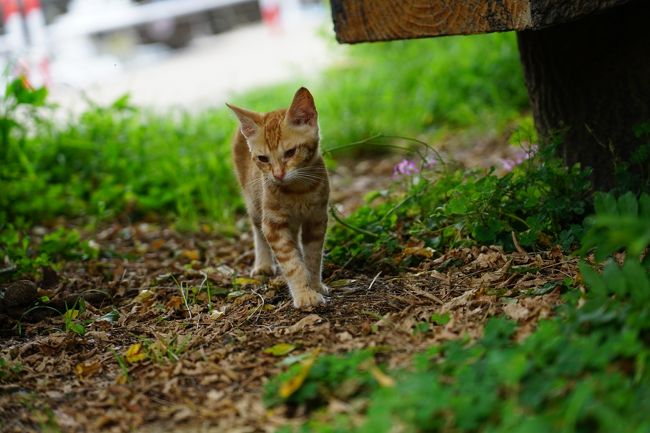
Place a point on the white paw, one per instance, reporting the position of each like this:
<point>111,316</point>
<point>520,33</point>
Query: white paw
<point>307,298</point>
<point>259,270</point>
<point>322,288</point>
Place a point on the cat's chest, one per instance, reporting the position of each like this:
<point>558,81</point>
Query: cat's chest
<point>294,208</point>
<point>299,209</point>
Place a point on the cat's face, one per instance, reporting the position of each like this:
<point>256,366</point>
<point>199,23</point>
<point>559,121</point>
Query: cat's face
<point>283,143</point>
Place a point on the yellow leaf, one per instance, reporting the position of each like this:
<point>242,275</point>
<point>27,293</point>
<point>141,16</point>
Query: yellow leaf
<point>157,244</point>
<point>280,349</point>
<point>191,254</point>
<point>174,303</point>
<point>419,251</point>
<point>87,368</point>
<point>143,295</point>
<point>341,283</point>
<point>242,281</point>
<point>121,379</point>
<point>135,354</point>
<point>71,314</point>
<point>382,378</point>
<point>292,385</point>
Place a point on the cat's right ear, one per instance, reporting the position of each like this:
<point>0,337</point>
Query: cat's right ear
<point>250,121</point>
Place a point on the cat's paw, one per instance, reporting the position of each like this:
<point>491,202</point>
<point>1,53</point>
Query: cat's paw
<point>263,270</point>
<point>322,288</point>
<point>308,298</point>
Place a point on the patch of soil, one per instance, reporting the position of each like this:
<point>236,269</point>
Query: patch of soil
<point>200,363</point>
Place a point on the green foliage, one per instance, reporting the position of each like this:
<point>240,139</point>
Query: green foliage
<point>541,200</point>
<point>633,173</point>
<point>9,370</point>
<point>584,370</point>
<point>618,223</point>
<point>120,161</point>
<point>26,255</point>
<point>71,320</point>
<point>329,376</point>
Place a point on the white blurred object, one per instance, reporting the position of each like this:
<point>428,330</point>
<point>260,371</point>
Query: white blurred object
<point>39,61</point>
<point>26,41</point>
<point>281,14</point>
<point>16,40</point>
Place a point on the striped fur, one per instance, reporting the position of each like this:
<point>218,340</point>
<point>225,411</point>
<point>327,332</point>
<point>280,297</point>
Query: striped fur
<point>286,188</point>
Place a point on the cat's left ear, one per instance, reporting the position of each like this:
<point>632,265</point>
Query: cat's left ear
<point>302,110</point>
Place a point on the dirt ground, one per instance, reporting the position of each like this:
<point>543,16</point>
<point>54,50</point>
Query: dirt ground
<point>193,365</point>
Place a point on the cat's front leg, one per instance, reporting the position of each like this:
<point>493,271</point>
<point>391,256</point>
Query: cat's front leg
<point>313,237</point>
<point>263,256</point>
<point>284,243</point>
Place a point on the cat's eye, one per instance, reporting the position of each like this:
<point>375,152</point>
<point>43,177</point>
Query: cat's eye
<point>289,153</point>
<point>263,158</point>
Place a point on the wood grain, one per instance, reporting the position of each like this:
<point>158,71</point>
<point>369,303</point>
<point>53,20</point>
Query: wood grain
<point>383,20</point>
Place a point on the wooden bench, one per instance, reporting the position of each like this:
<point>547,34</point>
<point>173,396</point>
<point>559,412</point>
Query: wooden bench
<point>586,62</point>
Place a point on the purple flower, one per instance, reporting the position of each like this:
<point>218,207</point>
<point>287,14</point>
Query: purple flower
<point>519,157</point>
<point>430,161</point>
<point>406,168</point>
<point>508,164</point>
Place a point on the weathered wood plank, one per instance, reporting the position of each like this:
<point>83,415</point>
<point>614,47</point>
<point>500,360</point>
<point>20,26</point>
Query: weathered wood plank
<point>383,20</point>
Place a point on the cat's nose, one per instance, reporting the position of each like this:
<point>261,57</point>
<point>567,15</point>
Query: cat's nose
<point>279,176</point>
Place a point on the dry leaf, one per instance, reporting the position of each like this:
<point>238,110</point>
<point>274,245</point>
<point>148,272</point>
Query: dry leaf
<point>87,368</point>
<point>516,311</point>
<point>143,295</point>
<point>135,354</point>
<point>426,252</point>
<point>174,303</point>
<point>121,379</point>
<point>157,244</point>
<point>303,323</point>
<point>243,281</point>
<point>341,283</point>
<point>191,254</point>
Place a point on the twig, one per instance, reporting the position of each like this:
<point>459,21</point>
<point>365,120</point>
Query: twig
<point>520,250</point>
<point>260,305</point>
<point>373,281</point>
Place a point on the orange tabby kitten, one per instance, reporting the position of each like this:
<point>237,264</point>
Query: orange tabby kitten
<point>286,188</point>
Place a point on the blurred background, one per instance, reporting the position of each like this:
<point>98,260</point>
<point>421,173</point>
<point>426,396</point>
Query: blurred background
<point>127,117</point>
<point>188,53</point>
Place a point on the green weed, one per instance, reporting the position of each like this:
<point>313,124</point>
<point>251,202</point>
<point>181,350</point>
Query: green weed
<point>540,200</point>
<point>166,349</point>
<point>124,367</point>
<point>71,318</point>
<point>27,255</point>
<point>9,370</point>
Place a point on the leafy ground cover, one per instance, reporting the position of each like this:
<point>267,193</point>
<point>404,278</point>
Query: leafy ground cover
<point>178,337</point>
